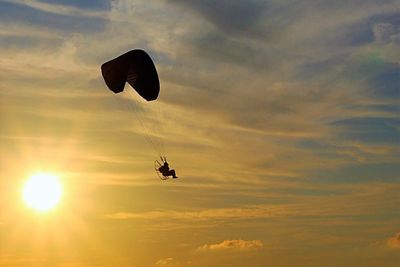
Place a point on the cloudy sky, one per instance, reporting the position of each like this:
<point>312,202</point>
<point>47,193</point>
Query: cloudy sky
<point>281,118</point>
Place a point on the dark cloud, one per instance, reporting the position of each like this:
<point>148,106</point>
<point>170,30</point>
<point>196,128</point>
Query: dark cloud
<point>392,18</point>
<point>374,27</point>
<point>351,35</point>
<point>221,48</point>
<point>368,29</point>
<point>233,17</point>
<point>309,71</point>
<point>88,4</point>
<point>377,27</point>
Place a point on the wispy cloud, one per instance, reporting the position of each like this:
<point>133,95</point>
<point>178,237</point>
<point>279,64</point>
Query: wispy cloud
<point>235,244</point>
<point>273,112</point>
<point>278,105</point>
<point>202,214</point>
<point>58,9</point>
<point>307,206</point>
<point>165,262</point>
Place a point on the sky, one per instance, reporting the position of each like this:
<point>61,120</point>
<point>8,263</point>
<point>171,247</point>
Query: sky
<point>281,118</point>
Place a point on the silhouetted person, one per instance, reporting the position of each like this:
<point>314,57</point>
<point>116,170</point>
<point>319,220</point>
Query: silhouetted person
<point>164,169</point>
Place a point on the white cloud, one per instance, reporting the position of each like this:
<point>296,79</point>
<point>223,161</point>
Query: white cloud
<point>165,262</point>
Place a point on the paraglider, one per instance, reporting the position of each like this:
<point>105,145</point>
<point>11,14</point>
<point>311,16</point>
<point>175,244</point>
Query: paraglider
<point>136,68</point>
<point>163,169</point>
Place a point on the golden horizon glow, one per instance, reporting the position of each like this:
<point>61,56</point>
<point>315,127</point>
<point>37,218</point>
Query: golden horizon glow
<point>42,191</point>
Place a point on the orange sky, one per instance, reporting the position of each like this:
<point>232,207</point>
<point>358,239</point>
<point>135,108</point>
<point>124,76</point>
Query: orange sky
<point>280,117</point>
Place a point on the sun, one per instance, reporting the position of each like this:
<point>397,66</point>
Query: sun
<point>42,191</point>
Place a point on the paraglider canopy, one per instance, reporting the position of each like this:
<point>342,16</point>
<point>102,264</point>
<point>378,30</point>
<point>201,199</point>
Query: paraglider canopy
<point>135,67</point>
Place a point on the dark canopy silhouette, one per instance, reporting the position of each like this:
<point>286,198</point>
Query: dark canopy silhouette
<point>136,68</point>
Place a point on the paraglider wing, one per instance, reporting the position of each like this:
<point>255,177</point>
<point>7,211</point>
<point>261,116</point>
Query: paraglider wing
<point>135,67</point>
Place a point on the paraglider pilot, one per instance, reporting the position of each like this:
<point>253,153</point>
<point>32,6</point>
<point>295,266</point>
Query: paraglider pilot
<point>164,169</point>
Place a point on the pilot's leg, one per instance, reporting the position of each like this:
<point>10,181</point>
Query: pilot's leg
<point>173,174</point>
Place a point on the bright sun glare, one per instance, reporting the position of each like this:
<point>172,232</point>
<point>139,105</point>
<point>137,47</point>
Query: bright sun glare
<point>42,191</point>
